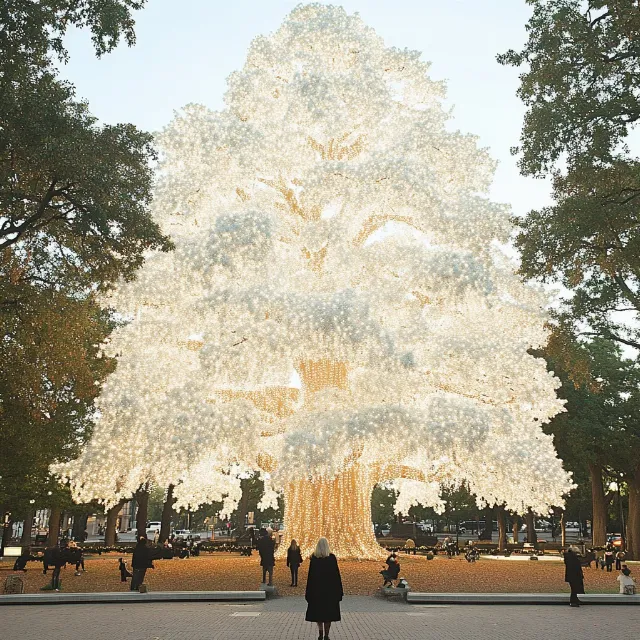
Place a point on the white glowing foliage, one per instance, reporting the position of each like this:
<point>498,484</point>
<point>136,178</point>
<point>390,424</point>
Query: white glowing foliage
<point>327,215</point>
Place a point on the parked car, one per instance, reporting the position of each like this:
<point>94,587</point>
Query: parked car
<point>182,534</point>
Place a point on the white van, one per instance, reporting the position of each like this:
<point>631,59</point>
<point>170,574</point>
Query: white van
<point>153,528</point>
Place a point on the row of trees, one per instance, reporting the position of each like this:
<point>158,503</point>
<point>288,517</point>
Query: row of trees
<point>580,83</point>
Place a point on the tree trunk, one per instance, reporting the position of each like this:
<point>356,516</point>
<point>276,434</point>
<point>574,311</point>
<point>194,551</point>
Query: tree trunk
<point>27,526</point>
<point>599,519</point>
<point>502,528</point>
<point>54,527</point>
<point>79,526</point>
<point>142,499</point>
<point>243,505</point>
<point>167,510</point>
<point>633,519</point>
<point>516,525</point>
<point>6,533</point>
<point>532,536</point>
<point>338,509</point>
<point>110,526</point>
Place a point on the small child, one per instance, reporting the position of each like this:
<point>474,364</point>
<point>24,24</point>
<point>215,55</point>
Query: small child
<point>627,583</point>
<point>124,572</point>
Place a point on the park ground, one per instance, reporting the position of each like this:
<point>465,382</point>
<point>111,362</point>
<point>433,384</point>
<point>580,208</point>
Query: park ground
<point>221,571</point>
<point>283,619</point>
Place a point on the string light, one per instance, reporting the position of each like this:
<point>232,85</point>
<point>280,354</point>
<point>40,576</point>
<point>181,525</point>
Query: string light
<point>337,311</point>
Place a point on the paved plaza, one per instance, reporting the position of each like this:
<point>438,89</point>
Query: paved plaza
<point>364,618</point>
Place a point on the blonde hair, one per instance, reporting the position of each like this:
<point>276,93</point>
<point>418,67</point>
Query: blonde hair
<point>293,545</point>
<point>322,549</point>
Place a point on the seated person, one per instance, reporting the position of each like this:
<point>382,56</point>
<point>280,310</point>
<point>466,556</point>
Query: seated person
<point>392,571</point>
<point>627,583</point>
<point>21,561</point>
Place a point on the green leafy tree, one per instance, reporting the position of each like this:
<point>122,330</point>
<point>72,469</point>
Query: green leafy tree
<point>383,500</point>
<point>597,434</point>
<point>581,84</point>
<point>74,219</point>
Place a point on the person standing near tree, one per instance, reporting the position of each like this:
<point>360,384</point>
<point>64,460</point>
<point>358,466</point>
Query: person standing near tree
<point>324,589</point>
<point>266,548</point>
<point>619,559</point>
<point>573,575</point>
<point>609,558</point>
<point>140,562</point>
<point>294,560</point>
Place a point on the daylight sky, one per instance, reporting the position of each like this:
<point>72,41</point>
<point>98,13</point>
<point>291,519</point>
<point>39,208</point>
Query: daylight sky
<point>186,48</point>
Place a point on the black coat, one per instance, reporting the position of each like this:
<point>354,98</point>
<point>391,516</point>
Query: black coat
<point>142,557</point>
<point>266,548</point>
<point>324,590</point>
<point>573,571</point>
<point>294,558</point>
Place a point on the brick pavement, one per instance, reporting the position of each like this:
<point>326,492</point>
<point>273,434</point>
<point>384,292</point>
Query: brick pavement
<point>364,618</point>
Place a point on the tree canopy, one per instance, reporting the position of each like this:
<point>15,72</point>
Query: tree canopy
<point>581,85</point>
<point>74,198</point>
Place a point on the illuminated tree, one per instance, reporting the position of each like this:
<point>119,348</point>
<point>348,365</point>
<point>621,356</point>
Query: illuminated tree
<point>337,311</point>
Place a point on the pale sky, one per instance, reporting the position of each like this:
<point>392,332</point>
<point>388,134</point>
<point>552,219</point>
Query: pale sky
<point>185,50</point>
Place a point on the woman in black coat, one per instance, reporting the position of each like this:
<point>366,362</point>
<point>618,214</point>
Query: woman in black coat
<point>294,560</point>
<point>573,575</point>
<point>324,589</point>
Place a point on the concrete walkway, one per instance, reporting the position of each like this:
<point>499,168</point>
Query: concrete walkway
<point>363,618</point>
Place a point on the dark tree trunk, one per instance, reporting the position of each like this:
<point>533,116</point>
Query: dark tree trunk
<point>27,526</point>
<point>633,519</point>
<point>243,505</point>
<point>532,536</point>
<point>516,527</point>
<point>110,525</point>
<point>167,510</point>
<point>6,532</point>
<point>599,519</point>
<point>142,498</point>
<point>502,528</point>
<point>54,527</point>
<point>79,525</point>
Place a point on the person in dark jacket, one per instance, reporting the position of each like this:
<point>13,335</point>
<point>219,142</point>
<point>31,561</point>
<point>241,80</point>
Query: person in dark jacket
<point>324,589</point>
<point>609,558</point>
<point>266,548</point>
<point>392,571</point>
<point>140,562</point>
<point>294,560</point>
<point>573,575</point>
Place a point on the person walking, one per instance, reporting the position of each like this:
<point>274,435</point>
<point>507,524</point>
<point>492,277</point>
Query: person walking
<point>573,575</point>
<point>266,548</point>
<point>140,562</point>
<point>619,559</point>
<point>124,572</point>
<point>294,560</point>
<point>324,589</point>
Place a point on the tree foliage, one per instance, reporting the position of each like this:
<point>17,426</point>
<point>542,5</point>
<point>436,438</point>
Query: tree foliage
<point>74,219</point>
<point>581,85</point>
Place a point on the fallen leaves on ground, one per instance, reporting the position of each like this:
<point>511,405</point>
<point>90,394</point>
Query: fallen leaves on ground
<point>230,572</point>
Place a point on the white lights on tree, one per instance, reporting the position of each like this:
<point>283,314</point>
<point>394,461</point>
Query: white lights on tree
<point>337,312</point>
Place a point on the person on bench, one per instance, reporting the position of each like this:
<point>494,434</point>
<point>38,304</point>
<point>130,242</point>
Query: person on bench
<point>392,571</point>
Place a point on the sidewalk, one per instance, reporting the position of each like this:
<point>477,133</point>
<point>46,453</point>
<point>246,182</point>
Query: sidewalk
<point>363,618</point>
